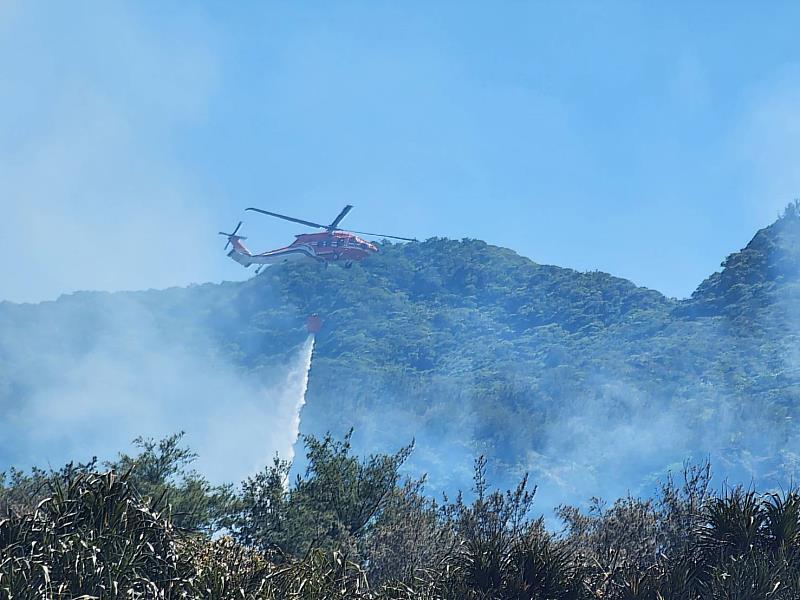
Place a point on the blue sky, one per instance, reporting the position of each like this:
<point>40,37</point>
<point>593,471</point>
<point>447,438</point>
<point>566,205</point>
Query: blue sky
<point>645,139</point>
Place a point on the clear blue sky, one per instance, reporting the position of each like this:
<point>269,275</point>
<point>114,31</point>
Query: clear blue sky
<point>645,139</point>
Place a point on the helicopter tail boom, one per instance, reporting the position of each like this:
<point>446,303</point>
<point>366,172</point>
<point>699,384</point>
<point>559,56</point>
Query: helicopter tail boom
<point>239,252</point>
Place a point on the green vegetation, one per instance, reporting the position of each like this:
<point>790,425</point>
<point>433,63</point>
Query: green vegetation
<point>471,349</point>
<point>351,528</point>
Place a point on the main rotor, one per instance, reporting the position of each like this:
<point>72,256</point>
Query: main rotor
<point>334,226</point>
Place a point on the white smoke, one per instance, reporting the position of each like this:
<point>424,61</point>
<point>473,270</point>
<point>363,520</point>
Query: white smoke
<point>135,377</point>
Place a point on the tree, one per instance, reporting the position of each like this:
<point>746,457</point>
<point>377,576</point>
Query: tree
<point>333,505</point>
<point>161,471</point>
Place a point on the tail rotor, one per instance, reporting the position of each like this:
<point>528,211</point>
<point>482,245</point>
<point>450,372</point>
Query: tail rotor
<point>232,236</point>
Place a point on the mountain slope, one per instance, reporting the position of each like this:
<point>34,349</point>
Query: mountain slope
<point>589,382</point>
<point>757,276</point>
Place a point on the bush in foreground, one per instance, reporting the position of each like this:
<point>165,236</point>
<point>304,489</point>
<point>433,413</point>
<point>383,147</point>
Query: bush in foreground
<point>351,528</point>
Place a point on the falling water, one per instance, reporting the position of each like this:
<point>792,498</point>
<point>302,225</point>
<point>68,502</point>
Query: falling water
<point>298,380</point>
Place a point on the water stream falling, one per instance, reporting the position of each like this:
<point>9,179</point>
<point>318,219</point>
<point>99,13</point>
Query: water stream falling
<point>297,382</point>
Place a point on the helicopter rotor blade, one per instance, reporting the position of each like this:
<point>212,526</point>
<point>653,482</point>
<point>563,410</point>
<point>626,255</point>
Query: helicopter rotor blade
<point>230,235</point>
<point>335,225</point>
<point>285,218</point>
<point>382,235</point>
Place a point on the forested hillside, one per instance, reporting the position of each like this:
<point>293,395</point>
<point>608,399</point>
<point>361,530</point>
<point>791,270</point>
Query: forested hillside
<point>588,382</point>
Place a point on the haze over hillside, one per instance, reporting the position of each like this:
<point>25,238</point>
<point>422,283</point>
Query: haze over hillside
<point>592,384</point>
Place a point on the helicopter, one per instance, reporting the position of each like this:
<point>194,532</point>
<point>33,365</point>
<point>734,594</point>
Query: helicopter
<point>332,246</point>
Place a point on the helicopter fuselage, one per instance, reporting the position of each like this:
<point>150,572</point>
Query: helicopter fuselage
<point>326,247</point>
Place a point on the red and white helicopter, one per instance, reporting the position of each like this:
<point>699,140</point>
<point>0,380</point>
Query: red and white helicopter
<point>334,245</point>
